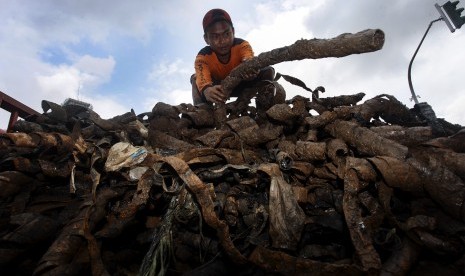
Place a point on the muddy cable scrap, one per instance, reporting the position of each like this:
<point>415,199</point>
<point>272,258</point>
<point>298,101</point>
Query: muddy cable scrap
<point>358,188</point>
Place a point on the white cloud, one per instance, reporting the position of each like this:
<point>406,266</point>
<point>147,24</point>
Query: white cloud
<point>62,83</point>
<point>169,81</point>
<point>106,107</point>
<point>274,31</point>
<point>174,96</point>
<point>167,69</point>
<point>83,77</point>
<point>101,68</point>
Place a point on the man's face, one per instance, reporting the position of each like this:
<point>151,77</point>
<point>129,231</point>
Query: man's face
<point>220,37</point>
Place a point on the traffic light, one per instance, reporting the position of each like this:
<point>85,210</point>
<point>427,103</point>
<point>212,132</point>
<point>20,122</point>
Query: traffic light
<point>454,14</point>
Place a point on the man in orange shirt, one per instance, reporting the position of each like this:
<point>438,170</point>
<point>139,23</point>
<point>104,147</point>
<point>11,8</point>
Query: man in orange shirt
<point>215,61</point>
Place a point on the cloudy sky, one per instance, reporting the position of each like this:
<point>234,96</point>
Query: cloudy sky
<point>119,54</point>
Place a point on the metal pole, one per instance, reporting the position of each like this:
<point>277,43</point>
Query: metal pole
<point>414,97</point>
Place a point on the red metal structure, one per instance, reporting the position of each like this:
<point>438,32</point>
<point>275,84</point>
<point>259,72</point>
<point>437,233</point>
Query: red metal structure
<point>16,108</point>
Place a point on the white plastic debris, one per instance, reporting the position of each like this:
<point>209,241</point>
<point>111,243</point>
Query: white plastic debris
<point>123,155</point>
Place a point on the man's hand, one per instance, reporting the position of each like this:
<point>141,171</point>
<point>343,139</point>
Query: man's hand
<point>215,94</point>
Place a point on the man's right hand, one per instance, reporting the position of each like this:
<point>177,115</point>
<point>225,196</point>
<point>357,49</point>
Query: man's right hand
<point>215,94</point>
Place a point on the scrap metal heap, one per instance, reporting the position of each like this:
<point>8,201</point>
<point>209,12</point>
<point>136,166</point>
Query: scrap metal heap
<point>307,186</point>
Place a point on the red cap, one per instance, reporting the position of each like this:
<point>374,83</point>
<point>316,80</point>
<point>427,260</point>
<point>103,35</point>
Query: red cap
<point>215,15</point>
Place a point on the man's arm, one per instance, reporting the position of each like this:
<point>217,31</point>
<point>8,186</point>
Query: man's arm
<point>203,77</point>
<point>204,82</point>
<point>246,53</point>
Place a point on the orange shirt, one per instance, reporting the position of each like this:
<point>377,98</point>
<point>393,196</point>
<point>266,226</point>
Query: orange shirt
<point>209,69</point>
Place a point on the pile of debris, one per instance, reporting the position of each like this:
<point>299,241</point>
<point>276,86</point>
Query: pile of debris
<point>357,188</point>
<point>324,186</point>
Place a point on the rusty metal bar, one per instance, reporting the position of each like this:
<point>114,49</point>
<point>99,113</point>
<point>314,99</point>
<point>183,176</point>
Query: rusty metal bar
<point>16,108</point>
